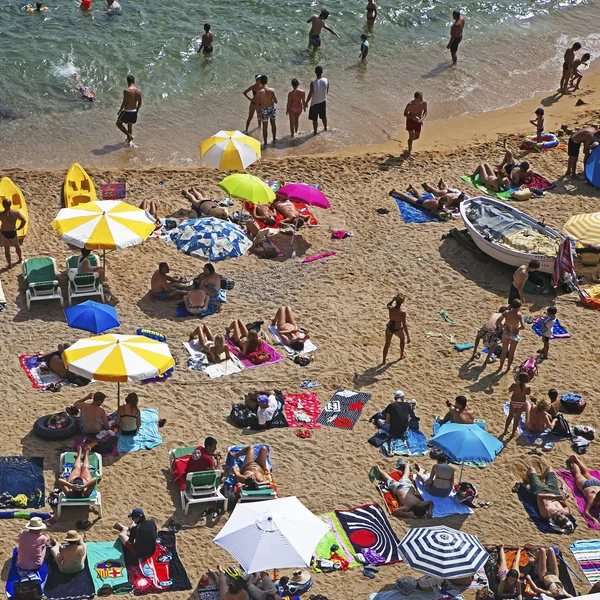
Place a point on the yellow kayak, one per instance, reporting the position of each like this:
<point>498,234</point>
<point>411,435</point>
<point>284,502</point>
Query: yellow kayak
<point>9,190</point>
<point>78,187</point>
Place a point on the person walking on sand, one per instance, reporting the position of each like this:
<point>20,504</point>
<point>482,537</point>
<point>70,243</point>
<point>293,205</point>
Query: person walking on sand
<point>130,107</point>
<point>577,75</point>
<point>518,403</point>
<point>317,23</point>
<point>567,71</point>
<point>253,108</point>
<point>9,230</point>
<point>511,323</point>
<point>415,113</point>
<point>317,96</point>
<point>206,46</point>
<point>296,103</point>
<point>588,136</point>
<point>396,326</point>
<point>371,12</point>
<point>267,100</point>
<point>456,33</point>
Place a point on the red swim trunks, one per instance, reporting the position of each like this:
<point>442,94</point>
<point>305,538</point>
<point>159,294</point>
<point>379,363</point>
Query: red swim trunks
<point>412,125</point>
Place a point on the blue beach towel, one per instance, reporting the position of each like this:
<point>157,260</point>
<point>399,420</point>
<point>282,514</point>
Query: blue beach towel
<point>147,436</point>
<point>558,331</point>
<point>220,298</point>
<point>414,214</point>
<point>529,502</point>
<point>106,563</point>
<point>21,475</point>
<point>532,437</point>
<point>415,444</point>
<point>15,575</point>
<point>230,461</point>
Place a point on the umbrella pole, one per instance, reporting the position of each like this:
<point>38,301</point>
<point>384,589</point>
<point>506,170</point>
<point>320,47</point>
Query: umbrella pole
<point>462,466</point>
<point>118,394</point>
<point>293,236</point>
<point>104,259</point>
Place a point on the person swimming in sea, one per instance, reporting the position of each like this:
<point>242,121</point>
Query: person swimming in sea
<point>85,92</point>
<point>206,47</point>
<point>39,7</point>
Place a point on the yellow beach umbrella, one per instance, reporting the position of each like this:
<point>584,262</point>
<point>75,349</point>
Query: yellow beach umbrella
<point>120,358</point>
<point>230,151</point>
<point>584,228</point>
<point>248,187</point>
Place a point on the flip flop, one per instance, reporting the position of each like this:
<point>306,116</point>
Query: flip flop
<point>447,318</point>
<point>374,474</point>
<point>162,422</point>
<point>372,568</point>
<point>368,574</point>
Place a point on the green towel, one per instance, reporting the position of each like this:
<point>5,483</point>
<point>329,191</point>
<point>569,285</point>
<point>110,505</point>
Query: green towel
<point>106,563</point>
<point>502,195</point>
<point>336,535</point>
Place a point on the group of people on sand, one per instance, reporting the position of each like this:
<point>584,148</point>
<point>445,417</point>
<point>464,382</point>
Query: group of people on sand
<point>196,294</point>
<point>440,201</point>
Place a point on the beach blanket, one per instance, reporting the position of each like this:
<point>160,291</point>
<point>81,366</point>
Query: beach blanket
<point>2,296</point>
<point>106,563</point>
<point>302,209</point>
<point>146,437</point>
<point>479,465</point>
<point>343,409</point>
<point>389,499</point>
<point>539,182</point>
<point>230,461</point>
<point>21,475</point>
<point>275,357</point>
<point>558,331</point>
<point>308,344</point>
<point>413,444</point>
<point>106,446</point>
<point>24,514</point>
<point>62,586</point>
<point>15,575</point>
<point>335,536</point>
<point>220,298</point>
<point>162,572</point>
<point>414,214</point>
<point>208,593</point>
<point>199,362</point>
<point>31,364</point>
<point>568,478</point>
<point>415,595</point>
<point>477,183</point>
<point>530,504</point>
<point>442,507</point>
<point>302,410</point>
<point>370,533</point>
<point>532,437</point>
<point>587,555</point>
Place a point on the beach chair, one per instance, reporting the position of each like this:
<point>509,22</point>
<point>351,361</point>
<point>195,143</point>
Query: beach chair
<point>201,487</point>
<point>266,489</point>
<point>83,286</point>
<point>41,277</point>
<point>95,499</point>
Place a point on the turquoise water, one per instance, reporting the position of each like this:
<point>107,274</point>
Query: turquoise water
<point>512,48</point>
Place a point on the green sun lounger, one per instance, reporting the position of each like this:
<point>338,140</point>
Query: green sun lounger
<point>86,284</point>
<point>94,499</point>
<point>41,277</point>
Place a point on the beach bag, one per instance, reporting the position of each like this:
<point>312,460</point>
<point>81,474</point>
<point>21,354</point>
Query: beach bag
<point>561,427</point>
<point>241,416</point>
<point>529,367</point>
<point>466,493</point>
<point>524,194</point>
<point>29,589</point>
<point>589,433</point>
<point>572,403</point>
<point>259,357</point>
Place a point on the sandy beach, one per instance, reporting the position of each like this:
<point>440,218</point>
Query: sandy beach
<point>341,300</point>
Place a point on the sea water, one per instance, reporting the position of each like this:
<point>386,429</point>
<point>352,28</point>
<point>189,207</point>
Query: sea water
<point>511,49</point>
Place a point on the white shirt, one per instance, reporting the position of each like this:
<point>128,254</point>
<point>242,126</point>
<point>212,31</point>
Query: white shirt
<point>115,8</point>
<point>268,412</point>
<point>319,91</point>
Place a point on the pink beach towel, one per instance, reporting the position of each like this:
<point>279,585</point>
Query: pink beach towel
<point>107,447</point>
<point>300,407</point>
<point>275,357</point>
<point>570,481</point>
<point>318,257</point>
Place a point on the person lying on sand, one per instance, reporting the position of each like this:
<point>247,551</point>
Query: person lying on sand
<point>288,330</point>
<point>262,244</point>
<point>165,287</point>
<point>588,485</point>
<point>213,346</point>
<point>285,207</point>
<point>203,207</point>
<point>537,419</point>
<point>458,412</point>
<point>197,299</point>
<point>246,340</point>
<point>412,506</point>
<point>80,483</point>
<point>436,206</point>
<point>549,575</point>
<point>551,503</point>
<point>490,335</point>
<point>451,196</point>
<point>265,213</point>
<point>152,209</point>
<point>252,469</point>
<point>488,178</point>
<point>509,584</point>
<point>518,174</point>
<point>396,326</point>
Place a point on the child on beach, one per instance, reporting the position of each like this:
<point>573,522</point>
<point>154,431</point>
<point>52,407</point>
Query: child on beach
<point>518,403</point>
<point>364,47</point>
<point>539,124</point>
<point>295,105</point>
<point>548,320</point>
<point>577,74</point>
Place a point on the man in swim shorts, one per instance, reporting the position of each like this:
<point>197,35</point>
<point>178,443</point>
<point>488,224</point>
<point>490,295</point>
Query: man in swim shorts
<point>588,485</point>
<point>266,100</point>
<point>206,47</point>
<point>164,287</point>
<point>79,483</point>
<point>317,24</point>
<point>434,205</point>
<point>589,137</point>
<point>551,502</point>
<point>415,113</point>
<point>567,71</point>
<point>11,222</point>
<point>456,32</point>
<point>205,207</point>
<point>518,174</point>
<point>129,109</point>
<point>317,96</point>
<point>489,335</point>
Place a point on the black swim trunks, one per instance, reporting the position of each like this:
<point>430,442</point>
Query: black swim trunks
<point>318,111</point>
<point>566,66</point>
<point>455,43</point>
<point>128,116</point>
<point>207,49</point>
<point>10,234</point>
<point>573,148</point>
<point>509,168</point>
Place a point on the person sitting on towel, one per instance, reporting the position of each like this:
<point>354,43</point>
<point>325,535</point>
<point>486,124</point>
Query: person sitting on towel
<point>129,416</point>
<point>213,346</point>
<point>587,484</point>
<point>551,503</point>
<point>440,482</point>
<point>204,458</point>
<point>197,299</point>
<point>70,556</point>
<point>436,206</point>
<point>459,412</point>
<point>210,280</point>
<point>139,538</point>
<point>79,483</point>
<point>398,415</point>
<point>252,469</point>
<point>93,416</point>
<point>549,576</point>
<point>411,505</point>
<point>165,287</point>
<point>287,329</point>
<point>203,207</point>
<point>31,550</point>
<point>537,419</point>
<point>246,340</point>
<point>285,207</point>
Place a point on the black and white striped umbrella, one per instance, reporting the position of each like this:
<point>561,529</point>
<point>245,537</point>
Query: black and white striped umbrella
<point>443,552</point>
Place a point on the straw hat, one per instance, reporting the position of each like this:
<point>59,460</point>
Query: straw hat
<point>300,577</point>
<point>72,536</point>
<point>35,524</point>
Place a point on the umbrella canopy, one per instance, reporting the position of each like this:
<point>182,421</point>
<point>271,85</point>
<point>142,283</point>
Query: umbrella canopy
<point>443,552</point>
<point>229,151</point>
<point>248,187</point>
<point>466,443</point>
<point>211,239</point>
<point>92,316</point>
<point>273,534</point>
<point>584,228</point>
<point>103,225</point>
<point>305,193</point>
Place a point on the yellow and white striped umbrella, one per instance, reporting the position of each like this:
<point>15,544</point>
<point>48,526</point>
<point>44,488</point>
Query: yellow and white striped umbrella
<point>585,228</point>
<point>230,151</point>
<point>103,225</point>
<point>114,357</point>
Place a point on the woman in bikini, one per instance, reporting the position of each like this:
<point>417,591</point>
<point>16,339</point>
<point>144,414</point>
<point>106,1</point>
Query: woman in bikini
<point>509,586</point>
<point>197,299</point>
<point>440,482</point>
<point>79,483</point>
<point>288,330</point>
<point>396,326</point>
<point>204,207</point>
<point>549,575</point>
<point>252,468</point>
<point>214,347</point>
<point>488,178</point>
<point>254,107</point>
<point>518,403</point>
<point>247,341</point>
<point>129,416</point>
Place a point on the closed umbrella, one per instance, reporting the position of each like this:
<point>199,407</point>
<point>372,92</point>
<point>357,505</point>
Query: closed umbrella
<point>443,552</point>
<point>273,534</point>
<point>230,151</point>
<point>248,187</point>
<point>584,228</point>
<point>92,316</point>
<point>304,193</point>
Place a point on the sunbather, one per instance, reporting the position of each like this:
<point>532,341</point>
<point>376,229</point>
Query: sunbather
<point>458,412</point>
<point>518,403</point>
<point>210,280</point>
<point>205,207</point>
<point>537,418</point>
<point>264,213</point>
<point>165,287</point>
<point>84,267</point>
<point>587,484</point>
<point>53,361</point>
<point>451,196</point>
<point>550,500</point>
<point>69,557</point>
<point>252,469</point>
<point>289,332</point>
<point>197,299</point>
<point>436,206</point>
<point>488,178</point>
<point>548,574</point>
<point>285,207</point>
<point>214,347</point>
<point>246,340</point>
<point>518,174</point>
<point>234,589</point>
<point>129,417</point>
<point>489,335</point>
<point>509,584</point>
<point>151,208</point>
<point>261,587</point>
<point>396,326</point>
<point>411,505</point>
<point>440,482</point>
<point>262,244</point>
<point>79,483</point>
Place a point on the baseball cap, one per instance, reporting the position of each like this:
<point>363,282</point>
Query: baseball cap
<point>398,394</point>
<point>136,513</point>
<point>263,398</point>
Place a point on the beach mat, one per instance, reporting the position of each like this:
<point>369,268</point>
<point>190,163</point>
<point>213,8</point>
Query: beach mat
<point>568,478</point>
<point>531,437</point>
<point>370,533</point>
<point>275,357</point>
<point>302,410</point>
<point>539,182</point>
<point>199,362</point>
<point>302,209</point>
<point>413,444</point>
<point>414,214</point>
<point>21,475</point>
<point>208,593</point>
<point>343,409</point>
<point>31,364</point>
<point>166,575</point>
<point>63,586</point>
<point>558,331</point>
<point>146,437</point>
<point>587,555</point>
<point>104,447</point>
<point>106,563</point>
<point>443,507</point>
<point>529,503</point>
<point>335,536</point>
<point>15,575</point>
<point>477,183</point>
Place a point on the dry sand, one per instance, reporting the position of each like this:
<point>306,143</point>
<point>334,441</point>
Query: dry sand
<point>341,300</point>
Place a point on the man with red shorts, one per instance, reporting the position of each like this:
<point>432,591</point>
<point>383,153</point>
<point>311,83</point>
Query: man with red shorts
<point>415,113</point>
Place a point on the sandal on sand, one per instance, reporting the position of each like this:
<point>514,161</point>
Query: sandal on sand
<point>162,422</point>
<point>368,573</point>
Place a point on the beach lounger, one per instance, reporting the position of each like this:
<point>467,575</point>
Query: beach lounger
<point>267,490</point>
<point>201,487</point>
<point>94,499</point>
<point>83,286</point>
<point>41,277</point>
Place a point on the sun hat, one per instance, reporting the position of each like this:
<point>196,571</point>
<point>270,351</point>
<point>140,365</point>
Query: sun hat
<point>72,536</point>
<point>300,577</point>
<point>35,524</point>
<point>137,513</point>
<point>398,394</point>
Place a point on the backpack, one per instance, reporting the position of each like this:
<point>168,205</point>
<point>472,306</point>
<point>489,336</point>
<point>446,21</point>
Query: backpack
<point>561,427</point>
<point>29,589</point>
<point>572,403</point>
<point>529,367</point>
<point>241,416</point>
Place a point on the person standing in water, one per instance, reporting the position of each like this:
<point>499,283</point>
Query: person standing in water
<point>253,108</point>
<point>206,47</point>
<point>317,96</point>
<point>415,113</point>
<point>371,12</point>
<point>569,59</point>
<point>267,101</point>
<point>295,105</point>
<point>456,32</point>
<point>317,24</point>
<point>130,107</point>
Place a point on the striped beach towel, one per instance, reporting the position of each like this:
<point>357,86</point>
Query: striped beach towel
<point>587,555</point>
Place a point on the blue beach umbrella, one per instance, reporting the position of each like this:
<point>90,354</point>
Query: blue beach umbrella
<point>211,239</point>
<point>92,316</point>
